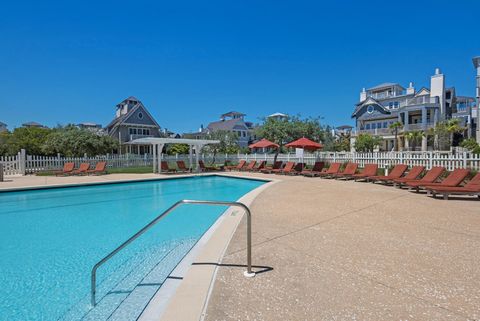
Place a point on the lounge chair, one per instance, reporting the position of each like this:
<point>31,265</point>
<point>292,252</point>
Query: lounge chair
<point>332,170</point>
<point>297,169</point>
<point>181,167</point>
<point>349,170</point>
<point>286,169</point>
<point>455,178</point>
<point>82,170</point>
<point>236,167</point>
<point>472,187</point>
<point>368,170</point>
<point>277,165</point>
<point>249,167</point>
<point>204,168</point>
<point>165,169</point>
<point>67,169</point>
<point>260,166</point>
<point>290,169</point>
<point>317,168</point>
<point>430,177</point>
<point>100,168</point>
<point>396,172</point>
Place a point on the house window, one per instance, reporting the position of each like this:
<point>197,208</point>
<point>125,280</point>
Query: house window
<point>390,105</point>
<point>385,124</point>
<point>370,109</point>
<point>396,104</point>
<point>140,115</point>
<point>374,126</point>
<point>367,126</point>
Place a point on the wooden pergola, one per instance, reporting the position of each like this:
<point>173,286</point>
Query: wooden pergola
<point>158,144</point>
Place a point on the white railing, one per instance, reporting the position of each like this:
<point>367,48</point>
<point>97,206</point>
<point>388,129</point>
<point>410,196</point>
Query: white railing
<point>27,164</point>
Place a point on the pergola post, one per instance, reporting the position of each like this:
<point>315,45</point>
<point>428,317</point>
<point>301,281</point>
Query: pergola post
<point>197,157</point>
<point>154,151</point>
<point>190,157</point>
<point>160,150</point>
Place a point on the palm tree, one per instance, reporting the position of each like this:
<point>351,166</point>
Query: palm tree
<point>453,127</point>
<point>414,136</point>
<point>394,127</point>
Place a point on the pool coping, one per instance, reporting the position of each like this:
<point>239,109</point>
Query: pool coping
<point>186,292</point>
<point>120,181</point>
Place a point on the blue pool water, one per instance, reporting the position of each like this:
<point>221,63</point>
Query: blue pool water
<point>50,239</point>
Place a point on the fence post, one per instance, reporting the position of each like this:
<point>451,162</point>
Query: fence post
<point>430,155</point>
<point>23,166</point>
<point>464,159</point>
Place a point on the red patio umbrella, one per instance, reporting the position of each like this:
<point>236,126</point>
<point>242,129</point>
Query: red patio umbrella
<point>305,144</point>
<point>264,143</point>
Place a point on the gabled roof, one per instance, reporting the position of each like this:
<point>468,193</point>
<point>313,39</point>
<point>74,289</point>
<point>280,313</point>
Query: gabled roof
<point>228,124</point>
<point>344,127</point>
<point>385,85</point>
<point>232,113</point>
<point>423,91</point>
<point>368,101</point>
<point>2,124</point>
<point>122,118</point>
<point>277,115</point>
<point>129,98</point>
<point>32,123</point>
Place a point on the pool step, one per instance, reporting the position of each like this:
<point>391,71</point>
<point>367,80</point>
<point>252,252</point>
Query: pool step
<point>126,301</point>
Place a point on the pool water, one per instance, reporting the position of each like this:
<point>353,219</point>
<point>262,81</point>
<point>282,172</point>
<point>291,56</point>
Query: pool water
<point>51,238</point>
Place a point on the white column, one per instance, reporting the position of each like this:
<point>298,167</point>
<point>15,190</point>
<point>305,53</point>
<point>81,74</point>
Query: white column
<point>154,152</point>
<point>190,157</point>
<point>424,143</point>
<point>197,157</point>
<point>160,149</point>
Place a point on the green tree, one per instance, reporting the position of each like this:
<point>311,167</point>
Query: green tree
<point>367,143</point>
<point>283,131</point>
<point>72,141</point>
<point>414,137</point>
<point>471,144</point>
<point>444,132</point>
<point>395,128</point>
<point>342,143</point>
<point>181,149</point>
<point>29,138</point>
<point>228,143</point>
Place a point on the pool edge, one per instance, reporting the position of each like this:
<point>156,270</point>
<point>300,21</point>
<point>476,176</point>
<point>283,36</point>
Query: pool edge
<point>120,181</point>
<point>189,297</point>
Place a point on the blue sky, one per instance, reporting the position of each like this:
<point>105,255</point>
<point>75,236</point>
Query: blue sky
<point>188,62</point>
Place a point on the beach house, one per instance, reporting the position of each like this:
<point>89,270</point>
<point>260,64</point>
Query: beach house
<point>416,110</point>
<point>133,120</point>
<point>234,121</point>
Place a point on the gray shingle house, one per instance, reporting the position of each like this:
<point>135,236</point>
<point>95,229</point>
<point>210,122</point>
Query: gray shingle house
<point>234,122</point>
<point>3,127</point>
<point>132,120</point>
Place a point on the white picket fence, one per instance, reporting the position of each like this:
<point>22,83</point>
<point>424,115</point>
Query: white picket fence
<point>22,164</point>
<point>384,160</point>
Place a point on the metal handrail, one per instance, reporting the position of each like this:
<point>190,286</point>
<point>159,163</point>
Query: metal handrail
<point>248,273</point>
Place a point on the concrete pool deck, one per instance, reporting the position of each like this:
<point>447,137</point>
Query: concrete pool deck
<point>335,250</point>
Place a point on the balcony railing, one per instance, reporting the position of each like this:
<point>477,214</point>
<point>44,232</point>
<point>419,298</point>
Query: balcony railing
<point>136,136</point>
<point>422,100</point>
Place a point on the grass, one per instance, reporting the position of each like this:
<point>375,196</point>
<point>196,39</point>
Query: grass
<point>131,170</point>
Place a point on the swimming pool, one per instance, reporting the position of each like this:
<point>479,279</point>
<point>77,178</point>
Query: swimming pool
<point>51,238</point>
